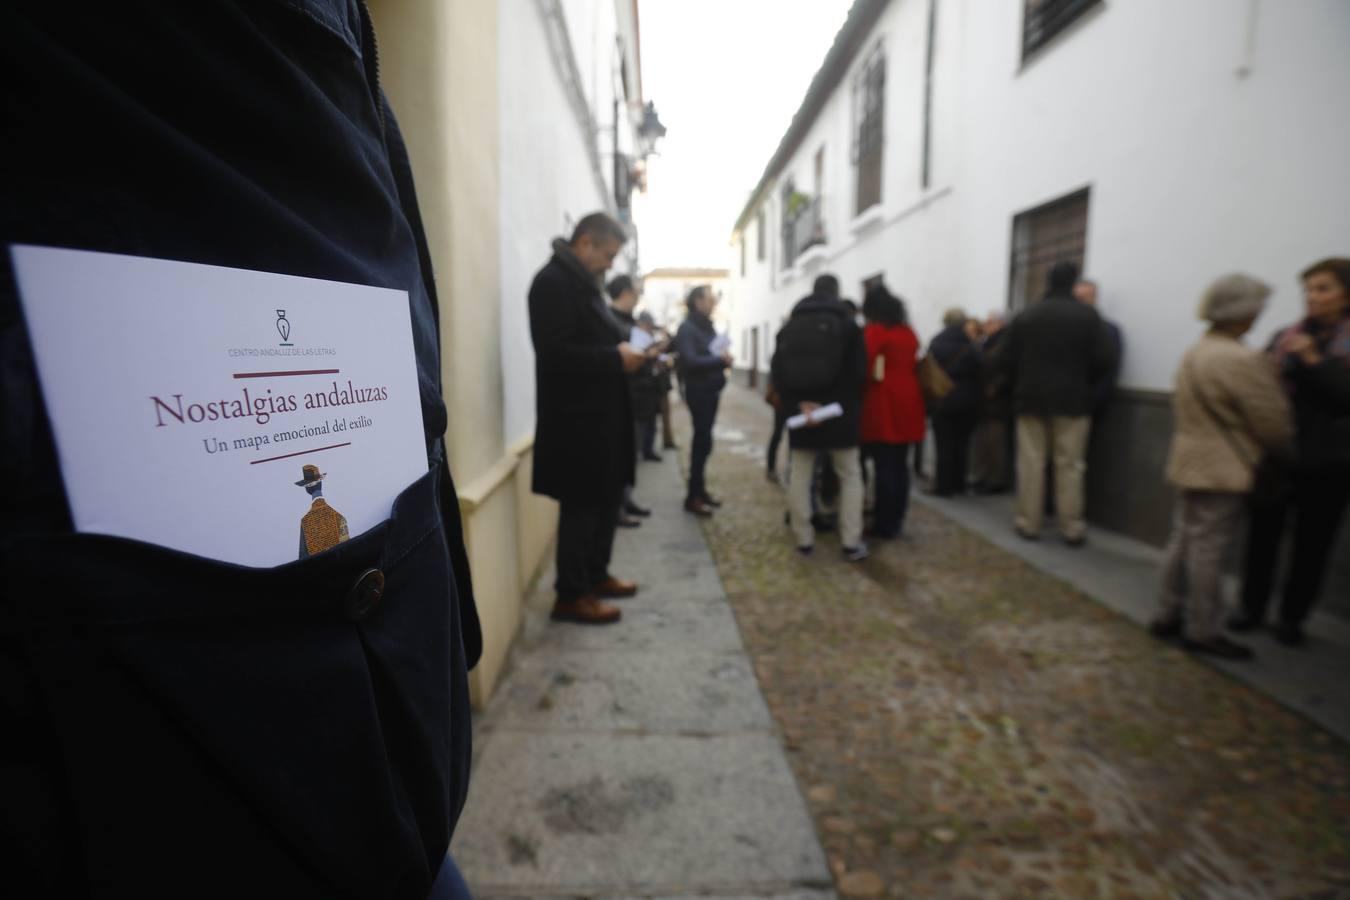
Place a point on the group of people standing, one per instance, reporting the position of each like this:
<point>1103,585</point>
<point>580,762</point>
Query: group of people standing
<point>1265,437</point>
<point>1046,372</point>
<point>603,377</point>
<point>1260,436</point>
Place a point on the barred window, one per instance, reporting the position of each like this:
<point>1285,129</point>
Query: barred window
<point>1043,236</point>
<point>869,103</point>
<point>1043,19</point>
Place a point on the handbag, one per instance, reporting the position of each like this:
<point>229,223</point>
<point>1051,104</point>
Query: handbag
<point>933,380</point>
<point>1272,477</point>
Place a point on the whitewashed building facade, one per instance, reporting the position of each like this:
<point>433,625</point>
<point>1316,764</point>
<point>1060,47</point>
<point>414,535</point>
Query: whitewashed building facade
<point>521,116</point>
<point>955,149</point>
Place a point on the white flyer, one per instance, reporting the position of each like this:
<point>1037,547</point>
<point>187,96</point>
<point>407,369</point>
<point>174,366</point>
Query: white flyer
<point>639,340</point>
<point>820,414</point>
<point>719,345</point>
<point>243,416</point>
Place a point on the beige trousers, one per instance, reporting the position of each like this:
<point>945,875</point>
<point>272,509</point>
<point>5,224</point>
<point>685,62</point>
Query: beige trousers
<point>848,466</point>
<point>1063,439</point>
<point>1204,527</point>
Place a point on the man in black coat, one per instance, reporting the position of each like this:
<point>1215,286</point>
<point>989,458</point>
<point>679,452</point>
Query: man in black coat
<point>840,381</point>
<point>583,446</point>
<point>704,374</point>
<point>1055,356</point>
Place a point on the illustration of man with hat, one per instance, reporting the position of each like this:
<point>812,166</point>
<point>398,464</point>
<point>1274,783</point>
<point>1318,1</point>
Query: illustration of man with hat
<point>322,527</point>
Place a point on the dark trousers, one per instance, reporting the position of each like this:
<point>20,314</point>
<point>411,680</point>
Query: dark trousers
<point>585,543</point>
<point>1318,505</point>
<point>952,433</point>
<point>647,436</point>
<point>702,403</point>
<point>891,465</point>
<point>780,417</point>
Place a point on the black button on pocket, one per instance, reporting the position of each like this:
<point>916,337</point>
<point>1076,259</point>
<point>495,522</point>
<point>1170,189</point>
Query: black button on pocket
<point>364,597</point>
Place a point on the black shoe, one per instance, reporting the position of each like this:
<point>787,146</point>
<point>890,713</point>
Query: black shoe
<point>806,550</point>
<point>1165,630</point>
<point>634,510</point>
<point>1289,635</point>
<point>629,522</point>
<point>670,445</point>
<point>652,457</point>
<point>1076,542</point>
<point>856,554</point>
<point>1243,623</point>
<point>1219,646</point>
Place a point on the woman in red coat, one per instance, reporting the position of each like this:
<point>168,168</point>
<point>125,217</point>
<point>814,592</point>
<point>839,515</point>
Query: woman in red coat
<point>893,413</point>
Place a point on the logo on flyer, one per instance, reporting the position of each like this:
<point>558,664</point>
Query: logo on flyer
<point>283,327</point>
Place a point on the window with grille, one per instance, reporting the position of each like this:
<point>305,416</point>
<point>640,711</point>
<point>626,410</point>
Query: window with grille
<point>759,236</point>
<point>1041,237</point>
<point>869,102</point>
<point>1043,19</point>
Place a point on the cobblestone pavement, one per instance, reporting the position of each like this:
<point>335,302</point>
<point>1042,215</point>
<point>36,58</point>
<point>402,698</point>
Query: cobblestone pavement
<point>966,726</point>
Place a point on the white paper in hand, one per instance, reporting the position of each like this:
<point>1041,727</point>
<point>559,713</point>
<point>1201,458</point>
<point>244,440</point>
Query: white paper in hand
<point>720,344</point>
<point>639,340</point>
<point>822,414</point>
<point>243,416</point>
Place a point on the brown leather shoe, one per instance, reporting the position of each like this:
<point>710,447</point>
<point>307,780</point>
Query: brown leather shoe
<point>586,611</point>
<point>614,587</point>
<point>698,508</point>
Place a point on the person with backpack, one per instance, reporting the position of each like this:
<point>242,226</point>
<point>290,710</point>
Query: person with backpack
<point>820,359</point>
<point>703,372</point>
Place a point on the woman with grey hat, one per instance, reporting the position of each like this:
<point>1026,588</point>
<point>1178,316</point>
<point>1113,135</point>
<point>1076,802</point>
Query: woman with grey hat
<point>1230,412</point>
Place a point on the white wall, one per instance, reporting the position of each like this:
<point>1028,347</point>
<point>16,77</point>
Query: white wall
<point>1195,170</point>
<point>544,193</point>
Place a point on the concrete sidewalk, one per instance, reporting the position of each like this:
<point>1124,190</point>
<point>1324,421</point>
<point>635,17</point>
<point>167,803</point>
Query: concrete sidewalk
<point>1122,574</point>
<point>638,759</point>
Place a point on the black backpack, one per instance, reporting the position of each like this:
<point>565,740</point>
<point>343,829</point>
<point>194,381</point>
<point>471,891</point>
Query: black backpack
<point>810,353</point>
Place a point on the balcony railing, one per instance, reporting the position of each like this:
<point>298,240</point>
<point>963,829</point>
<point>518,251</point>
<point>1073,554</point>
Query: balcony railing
<point>805,231</point>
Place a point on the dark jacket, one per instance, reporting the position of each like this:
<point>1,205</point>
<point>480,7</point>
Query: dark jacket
<point>1106,388</point>
<point>174,725</point>
<point>847,391</point>
<point>644,385</point>
<point>995,392</point>
<point>1055,356</point>
<point>583,439</point>
<point>1321,398</point>
<point>697,365</point>
<point>960,359</point>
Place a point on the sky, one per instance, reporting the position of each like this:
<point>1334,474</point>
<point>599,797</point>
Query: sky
<point>726,77</point>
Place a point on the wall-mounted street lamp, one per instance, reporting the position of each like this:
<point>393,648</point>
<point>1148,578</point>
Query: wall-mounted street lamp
<point>650,131</point>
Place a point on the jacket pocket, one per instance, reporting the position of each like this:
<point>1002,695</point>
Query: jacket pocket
<point>311,718</point>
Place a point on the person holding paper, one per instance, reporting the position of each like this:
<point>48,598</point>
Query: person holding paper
<point>821,359</point>
<point>643,385</point>
<point>583,446</point>
<point>181,725</point>
<point>703,359</point>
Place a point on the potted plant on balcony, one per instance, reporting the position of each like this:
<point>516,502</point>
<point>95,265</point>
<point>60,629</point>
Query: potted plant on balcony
<point>797,204</point>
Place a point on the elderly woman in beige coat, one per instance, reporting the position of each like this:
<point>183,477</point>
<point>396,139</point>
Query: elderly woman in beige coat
<point>1229,411</point>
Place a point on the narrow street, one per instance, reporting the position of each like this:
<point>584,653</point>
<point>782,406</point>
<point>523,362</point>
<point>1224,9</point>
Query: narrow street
<point>964,725</point>
<point>958,723</point>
